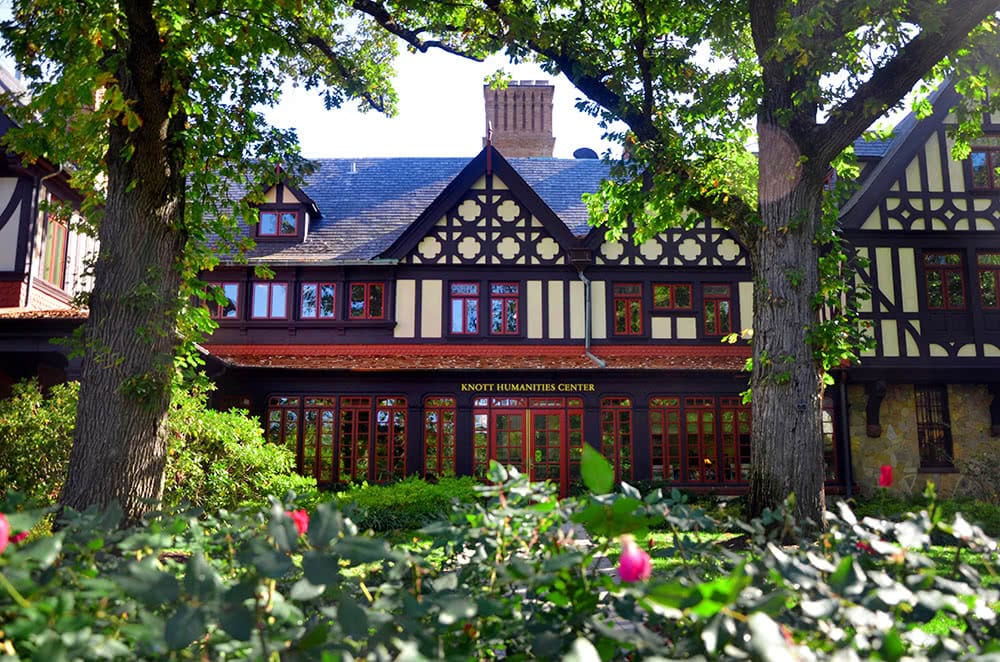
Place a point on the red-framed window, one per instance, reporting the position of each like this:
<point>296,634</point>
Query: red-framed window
<point>672,296</point>
<point>665,437</point>
<point>735,430</point>
<point>989,279</point>
<point>616,435</point>
<point>283,422</point>
<point>627,307</point>
<point>318,301</point>
<point>933,427</point>
<point>574,430</point>
<point>278,224</point>
<point>439,436</point>
<point>464,308</point>
<point>984,162</point>
<point>700,439</point>
<point>717,307</point>
<point>505,301</point>
<point>224,302</point>
<point>270,300</point>
<point>355,436</point>
<point>367,301</point>
<point>54,251</point>
<point>319,427</point>
<point>389,462</point>
<point>943,274</point>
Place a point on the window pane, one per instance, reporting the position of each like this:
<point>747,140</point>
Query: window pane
<point>935,293</point>
<point>496,315</point>
<point>326,302</point>
<point>456,315</point>
<point>268,222</point>
<point>471,316</point>
<point>308,308</point>
<point>987,288</point>
<point>980,170</point>
<point>661,297</point>
<point>511,316</point>
<point>375,301</point>
<point>260,292</point>
<point>724,325</point>
<point>716,290</point>
<point>289,223</point>
<point>465,288</point>
<point>710,317</point>
<point>682,296</point>
<point>503,288</point>
<point>357,300</point>
<point>232,292</point>
<point>956,294</point>
<point>279,292</point>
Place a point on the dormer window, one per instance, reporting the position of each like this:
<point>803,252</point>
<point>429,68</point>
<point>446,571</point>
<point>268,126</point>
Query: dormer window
<point>278,224</point>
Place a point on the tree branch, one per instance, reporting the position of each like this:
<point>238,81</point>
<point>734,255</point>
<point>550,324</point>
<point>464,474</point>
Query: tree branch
<point>411,36</point>
<point>893,80</point>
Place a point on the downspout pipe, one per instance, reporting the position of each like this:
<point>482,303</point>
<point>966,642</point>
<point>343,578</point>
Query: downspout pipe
<point>586,323</point>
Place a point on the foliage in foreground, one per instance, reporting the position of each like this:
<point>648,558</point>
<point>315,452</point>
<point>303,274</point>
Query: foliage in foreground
<point>214,459</point>
<point>514,583</point>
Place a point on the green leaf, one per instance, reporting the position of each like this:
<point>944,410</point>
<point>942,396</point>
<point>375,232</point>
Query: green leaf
<point>237,621</point>
<point>148,584</point>
<point>201,581</point>
<point>362,550</point>
<point>352,618</point>
<point>320,568</point>
<point>45,550</point>
<point>598,474</point>
<point>272,563</point>
<point>892,646</point>
<point>325,525</point>
<point>306,590</point>
<point>184,627</point>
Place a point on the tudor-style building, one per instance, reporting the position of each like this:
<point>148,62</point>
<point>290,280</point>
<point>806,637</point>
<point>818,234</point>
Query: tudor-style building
<point>42,265</point>
<point>929,226</point>
<point>428,314</point>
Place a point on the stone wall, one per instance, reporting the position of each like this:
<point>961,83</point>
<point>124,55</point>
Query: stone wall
<point>970,427</point>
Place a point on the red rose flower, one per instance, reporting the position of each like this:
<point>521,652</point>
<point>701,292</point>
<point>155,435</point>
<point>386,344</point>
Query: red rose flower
<point>301,519</point>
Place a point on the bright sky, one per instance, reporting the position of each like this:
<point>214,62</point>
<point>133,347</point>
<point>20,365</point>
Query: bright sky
<point>440,113</point>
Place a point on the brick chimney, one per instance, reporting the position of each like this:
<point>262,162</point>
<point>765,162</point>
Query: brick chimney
<point>522,118</point>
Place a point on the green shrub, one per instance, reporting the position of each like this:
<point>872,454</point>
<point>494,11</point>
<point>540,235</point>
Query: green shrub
<point>502,578</point>
<point>980,513</point>
<point>214,459</point>
<point>36,434</point>
<point>408,504</point>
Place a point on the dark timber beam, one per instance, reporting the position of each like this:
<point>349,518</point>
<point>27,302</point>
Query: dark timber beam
<point>876,393</point>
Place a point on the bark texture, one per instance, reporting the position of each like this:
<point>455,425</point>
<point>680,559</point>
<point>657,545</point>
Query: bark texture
<point>119,447</point>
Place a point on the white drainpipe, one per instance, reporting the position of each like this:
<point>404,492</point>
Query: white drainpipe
<point>586,324</point>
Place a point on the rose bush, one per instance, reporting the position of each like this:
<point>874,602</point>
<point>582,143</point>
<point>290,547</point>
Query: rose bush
<point>508,576</point>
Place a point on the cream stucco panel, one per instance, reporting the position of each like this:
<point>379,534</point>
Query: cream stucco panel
<point>883,262</point>
<point>746,304</point>
<point>689,249</point>
<point>651,249</point>
<point>469,210</point>
<point>990,349</point>
<point>535,311</point>
<point>912,348</point>
<point>429,248</point>
<point>938,350</point>
<point>508,210</point>
<point>933,152</point>
<point>968,350</point>
<point>577,315</point>
<point>8,235</point>
<point>873,222</point>
<point>981,204</point>
<point>938,224</point>
<point>913,175</point>
<point>480,183</point>
<point>985,225</point>
<point>557,324</point>
<point>687,328</point>
<point>890,341</point>
<point>406,309</point>
<point>509,248</point>
<point>598,320</point>
<point>547,248</point>
<point>431,307</point>
<point>660,328</point>
<point>908,280</point>
<point>499,184</point>
<point>729,250</point>
<point>612,250</point>
<point>469,248</point>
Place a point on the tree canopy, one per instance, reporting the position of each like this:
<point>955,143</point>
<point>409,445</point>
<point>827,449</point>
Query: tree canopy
<point>161,102</point>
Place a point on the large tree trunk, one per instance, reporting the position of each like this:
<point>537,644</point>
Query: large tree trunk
<point>119,447</point>
<point>787,450</point>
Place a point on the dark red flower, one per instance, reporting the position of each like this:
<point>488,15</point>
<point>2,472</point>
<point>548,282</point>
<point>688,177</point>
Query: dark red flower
<point>885,475</point>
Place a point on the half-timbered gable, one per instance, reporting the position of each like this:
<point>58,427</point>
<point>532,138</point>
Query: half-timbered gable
<point>927,229</point>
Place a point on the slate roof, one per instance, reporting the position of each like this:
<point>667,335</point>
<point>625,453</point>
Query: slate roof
<point>366,203</point>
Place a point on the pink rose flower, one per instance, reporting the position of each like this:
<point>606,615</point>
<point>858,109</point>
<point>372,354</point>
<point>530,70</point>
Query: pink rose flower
<point>19,538</point>
<point>634,564</point>
<point>885,475</point>
<point>4,532</point>
<point>301,519</point>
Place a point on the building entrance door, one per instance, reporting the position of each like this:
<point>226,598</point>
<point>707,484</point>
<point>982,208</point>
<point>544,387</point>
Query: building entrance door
<point>530,434</point>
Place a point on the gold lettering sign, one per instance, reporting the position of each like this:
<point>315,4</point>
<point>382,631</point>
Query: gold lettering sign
<point>500,387</point>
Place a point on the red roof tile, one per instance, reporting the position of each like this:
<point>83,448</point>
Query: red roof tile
<point>364,358</point>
